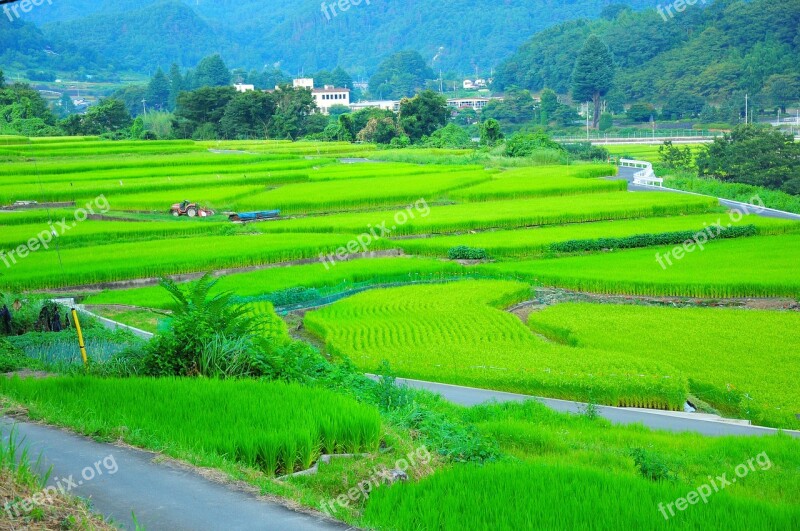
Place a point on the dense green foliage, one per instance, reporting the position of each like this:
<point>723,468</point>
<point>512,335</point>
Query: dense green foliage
<point>707,54</point>
<point>755,156</point>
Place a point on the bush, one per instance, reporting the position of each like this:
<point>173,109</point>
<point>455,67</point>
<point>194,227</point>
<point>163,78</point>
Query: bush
<point>525,144</point>
<point>11,358</point>
<point>586,151</point>
<point>195,340</point>
<point>651,466</point>
<point>462,252</point>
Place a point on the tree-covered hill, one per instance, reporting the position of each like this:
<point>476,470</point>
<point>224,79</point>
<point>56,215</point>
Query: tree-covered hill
<point>713,53</point>
<point>457,35</point>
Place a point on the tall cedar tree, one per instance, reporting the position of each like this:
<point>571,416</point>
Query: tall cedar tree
<point>158,91</point>
<point>593,76</point>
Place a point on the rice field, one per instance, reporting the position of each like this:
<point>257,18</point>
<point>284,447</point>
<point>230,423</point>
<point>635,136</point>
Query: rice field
<point>559,496</point>
<point>540,240</point>
<point>270,426</point>
<point>458,333</point>
<point>342,276</point>
<point>508,214</point>
<point>541,181</point>
<point>542,224</point>
<point>729,355</point>
<point>749,267</point>
<point>155,258</point>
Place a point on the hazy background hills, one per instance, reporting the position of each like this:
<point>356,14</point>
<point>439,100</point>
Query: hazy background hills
<point>456,35</point>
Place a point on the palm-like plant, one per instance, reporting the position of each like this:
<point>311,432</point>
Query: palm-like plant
<point>199,321</point>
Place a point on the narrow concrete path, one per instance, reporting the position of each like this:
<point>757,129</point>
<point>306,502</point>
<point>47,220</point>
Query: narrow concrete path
<point>628,173</point>
<point>654,419</point>
<point>161,496</point>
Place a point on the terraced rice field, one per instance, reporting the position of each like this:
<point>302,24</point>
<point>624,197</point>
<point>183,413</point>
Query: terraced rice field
<point>508,214</point>
<point>544,181</point>
<point>520,216</point>
<point>538,241</point>
<point>459,333</point>
<point>430,318</point>
<point>749,267</point>
<point>729,355</point>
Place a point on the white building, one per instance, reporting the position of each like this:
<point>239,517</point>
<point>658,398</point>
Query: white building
<point>303,82</point>
<point>386,105</point>
<point>241,87</point>
<point>470,103</point>
<point>327,97</point>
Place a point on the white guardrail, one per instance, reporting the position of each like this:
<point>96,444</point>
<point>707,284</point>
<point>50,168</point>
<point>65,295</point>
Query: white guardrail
<point>646,176</point>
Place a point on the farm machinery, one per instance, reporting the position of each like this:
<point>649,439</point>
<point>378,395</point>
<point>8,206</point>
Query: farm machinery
<point>187,208</point>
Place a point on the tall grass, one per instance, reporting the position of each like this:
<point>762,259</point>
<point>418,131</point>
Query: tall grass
<point>559,496</point>
<point>271,426</point>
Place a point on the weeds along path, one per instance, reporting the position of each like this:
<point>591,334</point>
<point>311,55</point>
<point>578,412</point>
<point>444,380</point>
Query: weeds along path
<point>158,493</point>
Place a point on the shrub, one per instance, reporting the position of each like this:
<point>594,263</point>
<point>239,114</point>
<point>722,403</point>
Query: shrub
<point>586,151</point>
<point>525,144</point>
<point>462,252</point>
<point>193,341</point>
<point>651,466</point>
<point>11,358</point>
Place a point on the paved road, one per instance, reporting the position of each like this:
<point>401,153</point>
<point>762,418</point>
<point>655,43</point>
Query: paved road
<point>161,496</point>
<point>658,420</point>
<point>627,174</point>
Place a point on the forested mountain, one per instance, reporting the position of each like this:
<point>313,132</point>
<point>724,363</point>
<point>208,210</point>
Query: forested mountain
<point>457,35</point>
<point>705,53</point>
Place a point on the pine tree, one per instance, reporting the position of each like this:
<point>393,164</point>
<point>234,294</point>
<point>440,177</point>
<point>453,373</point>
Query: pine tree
<point>593,76</point>
<point>158,91</point>
<point>176,84</point>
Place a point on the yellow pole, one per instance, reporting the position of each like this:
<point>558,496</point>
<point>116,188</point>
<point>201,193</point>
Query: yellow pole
<point>80,336</point>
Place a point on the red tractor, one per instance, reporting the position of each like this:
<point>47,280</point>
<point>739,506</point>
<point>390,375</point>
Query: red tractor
<point>187,208</point>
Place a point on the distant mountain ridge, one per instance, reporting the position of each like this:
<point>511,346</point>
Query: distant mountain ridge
<point>456,35</point>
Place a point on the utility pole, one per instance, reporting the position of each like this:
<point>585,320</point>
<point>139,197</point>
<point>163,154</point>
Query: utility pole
<point>144,107</point>
<point>587,120</point>
<point>746,109</point>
